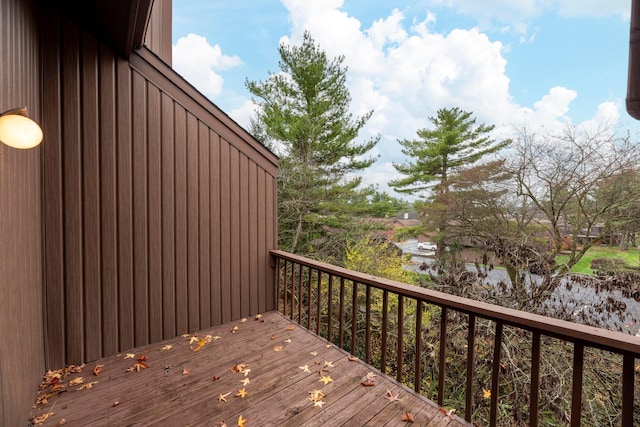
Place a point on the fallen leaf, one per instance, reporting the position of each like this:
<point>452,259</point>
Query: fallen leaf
<point>391,397</point>
<point>352,358</point>
<point>318,403</point>
<point>328,345</point>
<point>288,341</point>
<point>486,393</point>
<point>167,347</point>
<point>326,379</point>
<point>40,419</point>
<point>185,371</point>
<point>316,395</point>
<point>273,337</point>
<point>116,403</point>
<point>241,393</point>
<point>369,380</point>
<point>97,370</point>
<point>314,353</point>
<point>239,367</point>
<point>449,413</point>
<point>184,335</point>
<point>246,371</point>
<point>245,381</point>
<point>408,417</point>
<point>87,385</point>
<point>221,424</point>
<point>241,421</point>
<point>200,343</point>
<point>215,378</point>
<point>194,338</point>
<point>244,319</point>
<point>234,329</point>
<point>76,381</point>
<point>305,368</point>
<point>277,348</point>
<point>130,356</point>
<point>258,316</point>
<point>329,364</point>
<point>223,397</point>
<point>140,363</point>
<point>290,328</point>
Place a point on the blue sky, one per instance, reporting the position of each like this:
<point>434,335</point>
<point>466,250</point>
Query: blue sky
<point>533,63</point>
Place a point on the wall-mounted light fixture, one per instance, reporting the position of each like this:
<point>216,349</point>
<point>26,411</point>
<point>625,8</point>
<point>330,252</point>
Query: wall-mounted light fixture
<point>19,131</point>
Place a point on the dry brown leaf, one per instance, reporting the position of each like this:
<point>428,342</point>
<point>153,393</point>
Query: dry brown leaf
<point>97,370</point>
<point>241,421</point>
<point>277,348</point>
<point>40,419</point>
<point>239,367</point>
<point>391,397</point>
<point>87,385</point>
<point>290,328</point>
<point>76,381</point>
<point>408,417</point>
<point>185,371</point>
<point>352,358</point>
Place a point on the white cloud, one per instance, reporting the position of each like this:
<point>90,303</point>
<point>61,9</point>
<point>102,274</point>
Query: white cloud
<point>197,61</point>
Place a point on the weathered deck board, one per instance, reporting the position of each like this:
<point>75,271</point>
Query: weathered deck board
<point>278,391</point>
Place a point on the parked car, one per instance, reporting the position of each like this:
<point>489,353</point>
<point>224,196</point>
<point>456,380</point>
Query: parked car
<point>427,246</point>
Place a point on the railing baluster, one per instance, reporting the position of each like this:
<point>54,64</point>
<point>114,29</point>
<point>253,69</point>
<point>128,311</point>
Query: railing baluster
<point>341,321</point>
<point>535,380</point>
<point>495,375</point>
<point>417,374</point>
<point>400,337</point>
<point>278,275</point>
<point>284,285</point>
<point>300,274</point>
<point>576,388</point>
<point>628,377</point>
<point>293,291</point>
<point>329,309</point>
<point>319,302</point>
<point>309,298</point>
<point>354,317</point>
<point>367,330</point>
<point>468,409</point>
<point>383,340</point>
<point>441,355</point>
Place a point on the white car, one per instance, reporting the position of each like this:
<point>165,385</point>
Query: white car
<point>427,246</point>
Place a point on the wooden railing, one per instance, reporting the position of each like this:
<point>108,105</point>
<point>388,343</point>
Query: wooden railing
<point>377,320</point>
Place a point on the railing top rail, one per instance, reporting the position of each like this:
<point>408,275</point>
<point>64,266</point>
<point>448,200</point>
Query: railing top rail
<point>591,336</point>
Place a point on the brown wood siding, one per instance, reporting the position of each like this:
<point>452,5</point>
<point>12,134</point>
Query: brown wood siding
<point>21,322</point>
<point>159,29</point>
<point>160,210</point>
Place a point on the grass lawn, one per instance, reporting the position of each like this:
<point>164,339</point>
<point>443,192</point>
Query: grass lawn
<point>630,257</point>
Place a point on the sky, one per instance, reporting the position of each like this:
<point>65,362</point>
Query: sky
<point>535,64</point>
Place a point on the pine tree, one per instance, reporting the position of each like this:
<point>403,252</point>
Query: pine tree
<point>303,114</point>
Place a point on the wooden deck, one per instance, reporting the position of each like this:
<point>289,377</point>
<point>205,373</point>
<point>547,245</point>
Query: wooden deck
<point>291,378</point>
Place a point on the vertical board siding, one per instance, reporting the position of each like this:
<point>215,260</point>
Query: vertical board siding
<point>108,200</point>
<point>168,220</point>
<point>21,310</point>
<point>160,211</point>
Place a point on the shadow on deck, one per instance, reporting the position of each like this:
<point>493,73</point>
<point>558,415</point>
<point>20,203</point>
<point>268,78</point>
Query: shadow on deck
<point>291,377</point>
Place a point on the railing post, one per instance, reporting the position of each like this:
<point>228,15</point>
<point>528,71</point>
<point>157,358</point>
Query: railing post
<point>441,355</point>
<point>354,317</point>
<point>400,343</point>
<point>341,320</point>
<point>417,374</point>
<point>329,309</point>
<point>535,380</point>
<point>468,410</point>
<point>495,375</point>
<point>385,318</point>
<point>576,389</point>
<point>628,379</point>
<point>367,331</point>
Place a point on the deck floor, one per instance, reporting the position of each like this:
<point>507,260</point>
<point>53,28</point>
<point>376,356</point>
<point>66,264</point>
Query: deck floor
<point>192,382</point>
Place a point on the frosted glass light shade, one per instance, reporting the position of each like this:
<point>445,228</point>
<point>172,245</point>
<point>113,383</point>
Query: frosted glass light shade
<point>19,131</point>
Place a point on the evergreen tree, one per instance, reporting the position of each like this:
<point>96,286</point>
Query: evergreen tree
<point>437,156</point>
<point>303,114</point>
